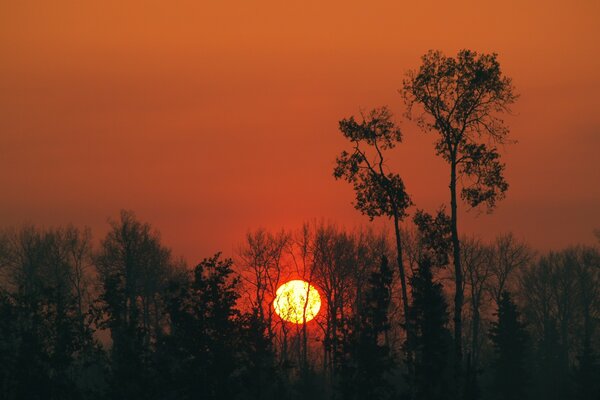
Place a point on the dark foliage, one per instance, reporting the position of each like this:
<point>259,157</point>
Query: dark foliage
<point>435,232</point>
<point>378,193</point>
<point>212,350</point>
<point>367,360</point>
<point>429,316</point>
<point>511,342</point>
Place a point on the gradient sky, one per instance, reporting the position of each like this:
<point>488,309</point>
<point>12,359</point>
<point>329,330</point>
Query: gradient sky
<point>209,118</point>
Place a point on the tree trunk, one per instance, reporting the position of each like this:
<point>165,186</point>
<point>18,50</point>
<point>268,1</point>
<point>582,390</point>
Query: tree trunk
<point>458,280</point>
<point>405,306</point>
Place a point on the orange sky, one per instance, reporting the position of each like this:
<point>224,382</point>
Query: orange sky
<point>211,117</point>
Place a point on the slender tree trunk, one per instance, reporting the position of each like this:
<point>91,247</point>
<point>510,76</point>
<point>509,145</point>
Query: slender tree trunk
<point>407,327</point>
<point>458,280</point>
<point>304,333</point>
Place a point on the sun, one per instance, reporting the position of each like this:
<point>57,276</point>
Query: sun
<point>297,301</point>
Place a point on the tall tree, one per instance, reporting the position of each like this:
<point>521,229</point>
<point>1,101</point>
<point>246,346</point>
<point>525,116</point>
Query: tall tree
<point>460,99</point>
<point>378,192</point>
<point>511,342</point>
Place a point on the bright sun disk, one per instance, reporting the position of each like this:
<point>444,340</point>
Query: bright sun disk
<point>297,301</point>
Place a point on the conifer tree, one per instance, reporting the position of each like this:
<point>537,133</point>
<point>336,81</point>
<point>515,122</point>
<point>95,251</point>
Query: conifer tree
<point>367,357</point>
<point>511,341</point>
<point>429,316</point>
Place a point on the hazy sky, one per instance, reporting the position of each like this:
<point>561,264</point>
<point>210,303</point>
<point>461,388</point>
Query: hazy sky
<point>209,118</point>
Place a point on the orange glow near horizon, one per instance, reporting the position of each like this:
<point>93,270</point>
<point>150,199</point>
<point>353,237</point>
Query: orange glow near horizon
<point>212,118</point>
<point>297,301</point>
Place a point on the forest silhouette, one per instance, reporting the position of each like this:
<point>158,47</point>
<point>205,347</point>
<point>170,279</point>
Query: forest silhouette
<point>424,312</point>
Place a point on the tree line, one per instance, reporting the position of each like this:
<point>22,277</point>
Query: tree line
<point>123,318</point>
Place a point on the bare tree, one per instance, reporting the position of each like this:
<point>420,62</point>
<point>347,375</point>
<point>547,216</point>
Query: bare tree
<point>476,263</point>
<point>304,264</point>
<point>335,273</point>
<point>260,266</point>
<point>508,257</point>
<point>586,263</point>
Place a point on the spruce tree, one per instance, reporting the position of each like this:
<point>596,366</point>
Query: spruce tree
<point>511,342</point>
<point>429,317</point>
<point>551,375</point>
<point>367,358</point>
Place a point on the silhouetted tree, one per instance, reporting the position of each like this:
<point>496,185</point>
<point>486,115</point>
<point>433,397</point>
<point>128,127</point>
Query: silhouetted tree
<point>367,361</point>
<point>511,344</point>
<point>508,257</point>
<point>460,99</point>
<point>341,274</point>
<point>586,261</point>
<point>434,236</point>
<point>259,376</point>
<point>429,316</point>
<point>586,374</point>
<point>378,192</point>
<point>260,267</point>
<point>476,260</point>
<point>551,375</point>
<point>204,343</point>
<point>133,268</point>
<point>44,331</point>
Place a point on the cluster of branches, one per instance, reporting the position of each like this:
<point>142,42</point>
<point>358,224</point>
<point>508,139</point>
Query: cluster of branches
<point>346,267</point>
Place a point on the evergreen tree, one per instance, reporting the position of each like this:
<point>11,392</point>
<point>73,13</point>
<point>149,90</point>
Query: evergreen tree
<point>550,374</point>
<point>511,342</point>
<point>367,360</point>
<point>429,316</point>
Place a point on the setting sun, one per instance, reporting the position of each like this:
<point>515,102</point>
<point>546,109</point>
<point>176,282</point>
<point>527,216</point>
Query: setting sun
<point>297,301</point>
